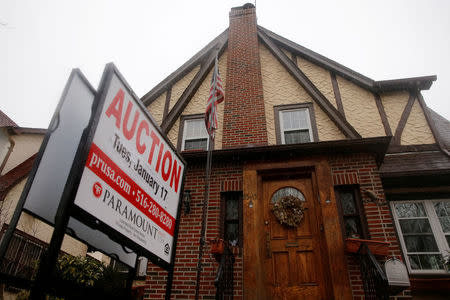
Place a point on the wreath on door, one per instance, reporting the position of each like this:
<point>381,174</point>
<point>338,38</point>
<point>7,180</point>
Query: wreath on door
<point>288,210</point>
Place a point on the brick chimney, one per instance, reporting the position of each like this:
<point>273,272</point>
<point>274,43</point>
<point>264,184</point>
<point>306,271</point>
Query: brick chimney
<point>244,122</point>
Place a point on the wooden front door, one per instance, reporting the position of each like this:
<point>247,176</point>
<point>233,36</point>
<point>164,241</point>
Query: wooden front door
<point>295,265</point>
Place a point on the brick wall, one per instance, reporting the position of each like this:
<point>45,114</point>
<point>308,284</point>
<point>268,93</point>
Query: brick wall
<point>226,176</point>
<point>362,169</point>
<point>244,117</point>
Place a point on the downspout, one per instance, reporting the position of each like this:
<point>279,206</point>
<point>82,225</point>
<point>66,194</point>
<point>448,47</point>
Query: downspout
<point>10,150</point>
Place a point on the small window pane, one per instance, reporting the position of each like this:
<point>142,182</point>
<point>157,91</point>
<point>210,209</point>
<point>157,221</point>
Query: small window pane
<point>415,226</point>
<point>232,233</point>
<point>426,262</point>
<point>442,208</point>
<point>296,136</point>
<point>287,191</point>
<point>232,209</point>
<point>410,210</point>
<point>287,116</point>
<point>195,129</point>
<point>348,203</point>
<point>199,144</point>
<point>443,212</point>
<point>420,243</point>
<point>352,227</point>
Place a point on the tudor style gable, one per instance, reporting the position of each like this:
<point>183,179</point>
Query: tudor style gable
<point>269,79</point>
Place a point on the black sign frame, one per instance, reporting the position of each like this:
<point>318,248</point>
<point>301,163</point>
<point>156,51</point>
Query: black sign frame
<point>76,173</point>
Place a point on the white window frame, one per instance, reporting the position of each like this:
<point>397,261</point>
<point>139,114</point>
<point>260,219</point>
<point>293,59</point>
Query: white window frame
<point>308,120</point>
<point>436,229</point>
<point>185,126</point>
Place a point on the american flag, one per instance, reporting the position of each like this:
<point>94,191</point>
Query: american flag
<point>216,96</point>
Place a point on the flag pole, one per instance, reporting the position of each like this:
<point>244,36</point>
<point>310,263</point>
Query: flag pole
<point>204,217</point>
<point>205,197</point>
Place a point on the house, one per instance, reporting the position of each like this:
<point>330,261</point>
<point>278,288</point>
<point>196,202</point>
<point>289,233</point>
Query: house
<point>18,149</point>
<point>360,158</point>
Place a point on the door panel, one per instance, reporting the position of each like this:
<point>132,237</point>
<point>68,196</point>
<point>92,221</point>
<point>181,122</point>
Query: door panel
<point>293,265</point>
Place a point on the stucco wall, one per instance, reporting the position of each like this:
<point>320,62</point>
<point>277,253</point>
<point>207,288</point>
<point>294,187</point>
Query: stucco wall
<point>33,226</point>
<point>280,88</point>
<point>179,87</point>
<point>156,109</point>
<point>360,109</point>
<point>416,130</point>
<point>26,146</point>
<point>320,77</point>
<point>394,104</point>
<point>197,105</point>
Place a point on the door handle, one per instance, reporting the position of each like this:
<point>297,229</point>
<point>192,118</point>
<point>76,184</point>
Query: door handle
<point>268,248</point>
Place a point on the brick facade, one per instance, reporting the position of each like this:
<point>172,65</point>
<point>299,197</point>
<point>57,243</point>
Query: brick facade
<point>225,177</point>
<point>244,117</point>
<point>362,169</point>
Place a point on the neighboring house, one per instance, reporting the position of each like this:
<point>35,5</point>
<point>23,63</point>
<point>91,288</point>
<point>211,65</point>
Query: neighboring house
<point>18,149</point>
<point>366,158</point>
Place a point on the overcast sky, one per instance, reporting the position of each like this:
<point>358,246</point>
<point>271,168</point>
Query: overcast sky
<point>41,41</point>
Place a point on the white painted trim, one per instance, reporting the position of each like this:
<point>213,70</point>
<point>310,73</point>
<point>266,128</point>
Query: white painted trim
<point>435,228</point>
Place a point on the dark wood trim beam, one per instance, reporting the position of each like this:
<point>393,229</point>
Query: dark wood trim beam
<point>310,88</point>
<point>192,88</point>
<point>412,148</point>
<point>151,96</point>
<point>383,116</point>
<point>430,122</point>
<point>337,94</point>
<point>404,118</point>
<point>422,189</point>
<point>294,59</point>
<point>415,83</point>
<point>167,103</point>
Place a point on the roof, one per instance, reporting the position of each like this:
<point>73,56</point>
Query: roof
<point>11,178</point>
<point>200,58</point>
<point>5,121</point>
<point>442,126</point>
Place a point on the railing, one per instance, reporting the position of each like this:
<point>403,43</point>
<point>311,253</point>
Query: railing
<point>224,277</point>
<point>374,279</point>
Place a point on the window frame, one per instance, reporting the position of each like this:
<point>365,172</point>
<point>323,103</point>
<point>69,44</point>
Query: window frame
<point>22,241</point>
<point>182,132</point>
<point>436,229</point>
<point>223,220</point>
<point>355,189</point>
<point>309,107</point>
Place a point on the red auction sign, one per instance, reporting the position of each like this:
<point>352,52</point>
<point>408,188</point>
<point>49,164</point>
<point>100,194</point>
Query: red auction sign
<point>132,177</point>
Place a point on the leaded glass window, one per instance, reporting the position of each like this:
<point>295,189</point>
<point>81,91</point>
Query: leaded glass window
<point>231,217</point>
<point>424,231</point>
<point>353,220</point>
<point>287,191</point>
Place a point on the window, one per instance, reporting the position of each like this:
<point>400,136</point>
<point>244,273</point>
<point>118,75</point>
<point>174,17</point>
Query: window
<point>231,215</point>
<point>424,231</point>
<point>295,123</point>
<point>21,256</point>
<point>352,212</point>
<point>194,134</point>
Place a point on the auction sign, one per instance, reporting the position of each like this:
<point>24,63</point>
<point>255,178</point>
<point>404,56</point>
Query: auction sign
<point>132,178</point>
